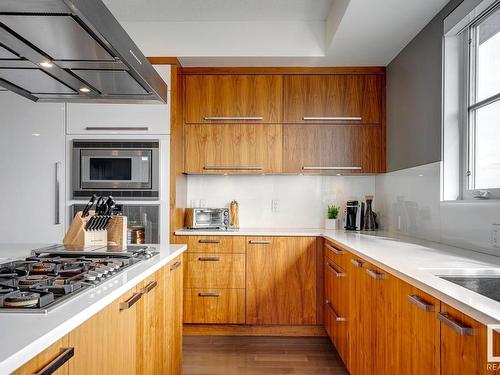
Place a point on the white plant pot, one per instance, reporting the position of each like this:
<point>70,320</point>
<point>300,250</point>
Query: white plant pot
<point>331,224</point>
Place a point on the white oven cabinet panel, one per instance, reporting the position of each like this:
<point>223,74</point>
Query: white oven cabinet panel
<point>111,119</point>
<point>32,154</point>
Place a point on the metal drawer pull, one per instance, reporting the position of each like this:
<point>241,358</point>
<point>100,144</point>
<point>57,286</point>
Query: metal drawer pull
<point>148,288</point>
<point>209,294</point>
<point>357,263</point>
<point>244,118</point>
<point>420,303</point>
<point>332,168</point>
<point>334,250</point>
<point>60,360</point>
<point>118,128</point>
<point>332,118</point>
<point>232,168</point>
<point>335,272</point>
<point>445,318</point>
<point>209,259</point>
<point>334,313</point>
<point>208,241</point>
<point>131,301</point>
<point>259,242</point>
<point>374,274</point>
<point>175,265</point>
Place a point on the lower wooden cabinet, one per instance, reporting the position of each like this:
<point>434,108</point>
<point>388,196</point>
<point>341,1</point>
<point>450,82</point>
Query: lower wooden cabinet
<point>214,306</point>
<point>107,342</point>
<point>57,356</point>
<point>174,302</point>
<point>281,285</point>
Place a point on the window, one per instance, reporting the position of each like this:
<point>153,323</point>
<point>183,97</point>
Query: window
<point>482,166</point>
<point>471,102</point>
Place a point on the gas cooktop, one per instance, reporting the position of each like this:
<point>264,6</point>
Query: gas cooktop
<point>54,274</point>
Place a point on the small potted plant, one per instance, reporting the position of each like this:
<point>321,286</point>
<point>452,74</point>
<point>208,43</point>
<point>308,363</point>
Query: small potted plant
<point>332,214</point>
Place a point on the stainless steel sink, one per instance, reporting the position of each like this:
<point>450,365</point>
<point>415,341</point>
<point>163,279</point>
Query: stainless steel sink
<point>484,281</point>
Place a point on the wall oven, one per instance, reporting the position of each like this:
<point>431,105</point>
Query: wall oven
<point>125,169</point>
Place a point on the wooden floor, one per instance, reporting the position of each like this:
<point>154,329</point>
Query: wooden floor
<point>222,355</point>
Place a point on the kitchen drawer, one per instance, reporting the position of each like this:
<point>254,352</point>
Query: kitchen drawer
<point>86,118</point>
<point>213,244</point>
<point>214,270</point>
<point>219,306</point>
<point>336,254</point>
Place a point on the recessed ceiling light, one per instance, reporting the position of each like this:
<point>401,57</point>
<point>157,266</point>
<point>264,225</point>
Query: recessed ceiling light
<point>338,174</point>
<point>84,89</point>
<point>46,64</point>
<point>35,134</point>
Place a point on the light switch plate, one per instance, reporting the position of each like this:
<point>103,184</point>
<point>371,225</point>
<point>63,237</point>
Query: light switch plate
<point>495,235</point>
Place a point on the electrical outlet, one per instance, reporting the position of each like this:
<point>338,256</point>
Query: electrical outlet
<point>495,235</point>
<point>275,205</point>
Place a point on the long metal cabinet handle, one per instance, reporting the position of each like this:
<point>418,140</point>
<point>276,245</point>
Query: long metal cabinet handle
<point>117,128</point>
<point>209,294</point>
<point>243,118</point>
<point>208,241</point>
<point>334,313</point>
<point>334,250</point>
<point>462,330</point>
<point>148,288</point>
<point>131,301</point>
<point>332,118</point>
<point>61,359</point>
<point>374,274</point>
<point>357,263</point>
<point>259,242</point>
<point>335,272</point>
<point>231,168</point>
<point>334,168</point>
<point>420,303</point>
<point>208,259</point>
<point>175,265</point>
<point>57,205</point>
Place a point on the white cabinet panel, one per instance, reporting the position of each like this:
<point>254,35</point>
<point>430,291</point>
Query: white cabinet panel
<point>87,118</point>
<point>31,145</point>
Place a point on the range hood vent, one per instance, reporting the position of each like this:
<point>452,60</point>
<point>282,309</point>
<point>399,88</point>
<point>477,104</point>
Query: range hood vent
<point>72,50</point>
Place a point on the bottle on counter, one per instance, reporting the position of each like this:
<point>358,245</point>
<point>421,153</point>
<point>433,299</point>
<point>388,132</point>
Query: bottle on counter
<point>234,210</point>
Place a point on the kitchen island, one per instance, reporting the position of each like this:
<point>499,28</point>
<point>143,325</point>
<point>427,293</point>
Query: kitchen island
<point>31,333</point>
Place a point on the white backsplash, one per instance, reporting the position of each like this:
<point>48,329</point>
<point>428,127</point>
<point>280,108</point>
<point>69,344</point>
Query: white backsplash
<point>302,199</point>
<point>408,202</point>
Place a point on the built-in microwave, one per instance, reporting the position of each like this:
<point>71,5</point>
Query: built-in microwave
<point>125,169</point>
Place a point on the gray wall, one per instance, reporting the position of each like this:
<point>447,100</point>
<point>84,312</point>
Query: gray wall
<point>414,98</point>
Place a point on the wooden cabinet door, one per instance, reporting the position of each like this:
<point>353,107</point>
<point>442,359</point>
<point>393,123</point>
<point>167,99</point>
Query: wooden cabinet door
<point>337,306</point>
<point>58,354</point>
<point>418,332</point>
<point>107,342</point>
<point>174,315</point>
<point>333,99</point>
<point>281,280</point>
<point>233,149</point>
<point>464,344</point>
<point>152,324</point>
<point>361,340</point>
<point>233,99</point>
<point>332,149</point>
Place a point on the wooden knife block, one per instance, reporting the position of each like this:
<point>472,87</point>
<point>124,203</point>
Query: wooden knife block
<point>117,231</point>
<point>79,237</point>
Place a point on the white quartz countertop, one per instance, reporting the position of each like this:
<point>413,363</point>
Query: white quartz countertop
<point>27,334</point>
<point>414,261</point>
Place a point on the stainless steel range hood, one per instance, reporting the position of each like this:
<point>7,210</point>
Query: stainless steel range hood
<point>72,50</point>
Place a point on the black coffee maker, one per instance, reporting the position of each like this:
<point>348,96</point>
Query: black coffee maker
<point>353,215</point>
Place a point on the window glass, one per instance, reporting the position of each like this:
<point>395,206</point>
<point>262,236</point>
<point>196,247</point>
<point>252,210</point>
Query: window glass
<point>488,56</point>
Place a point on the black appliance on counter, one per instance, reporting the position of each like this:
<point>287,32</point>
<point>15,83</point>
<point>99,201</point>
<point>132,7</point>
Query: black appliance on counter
<point>54,274</point>
<point>353,215</point>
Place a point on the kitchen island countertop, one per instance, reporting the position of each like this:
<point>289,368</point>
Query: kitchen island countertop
<point>27,334</point>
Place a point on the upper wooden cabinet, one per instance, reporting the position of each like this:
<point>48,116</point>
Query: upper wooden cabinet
<point>233,99</point>
<point>332,149</point>
<point>335,98</point>
<point>223,149</point>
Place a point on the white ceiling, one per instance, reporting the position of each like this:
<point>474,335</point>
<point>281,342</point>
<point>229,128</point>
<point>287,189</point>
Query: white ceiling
<point>274,32</point>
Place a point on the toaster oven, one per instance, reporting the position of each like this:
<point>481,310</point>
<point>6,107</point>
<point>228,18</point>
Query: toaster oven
<point>206,218</point>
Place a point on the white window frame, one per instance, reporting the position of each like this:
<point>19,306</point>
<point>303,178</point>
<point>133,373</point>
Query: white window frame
<point>456,182</point>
